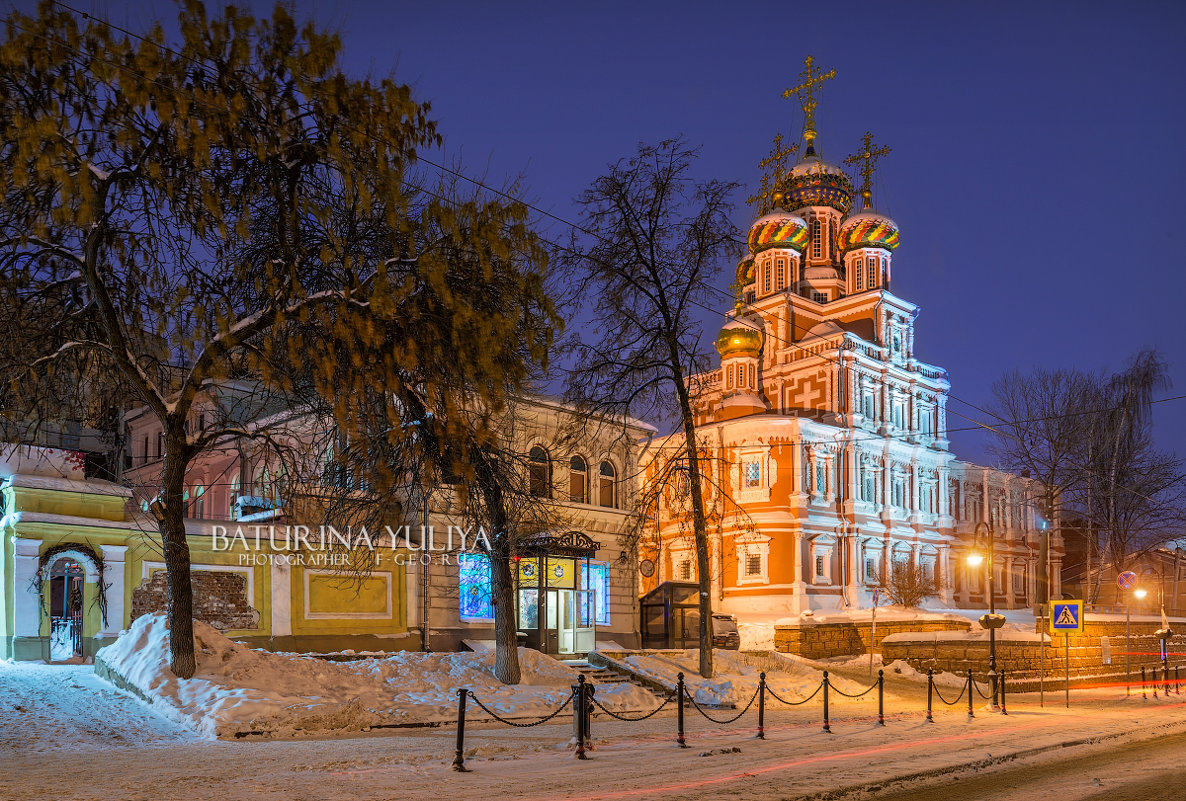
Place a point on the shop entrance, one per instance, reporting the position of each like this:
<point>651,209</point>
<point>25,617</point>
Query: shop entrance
<point>555,612</point>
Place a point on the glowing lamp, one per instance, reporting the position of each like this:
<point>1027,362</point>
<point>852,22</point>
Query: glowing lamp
<point>1138,593</point>
<point>975,559</point>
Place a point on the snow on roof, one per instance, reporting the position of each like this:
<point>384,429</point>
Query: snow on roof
<point>91,486</point>
<point>12,518</point>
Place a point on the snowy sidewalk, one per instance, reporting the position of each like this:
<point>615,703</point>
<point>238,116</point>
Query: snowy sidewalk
<point>120,750</point>
<point>67,707</point>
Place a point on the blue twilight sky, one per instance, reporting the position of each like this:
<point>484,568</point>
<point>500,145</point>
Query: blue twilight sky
<point>1038,160</point>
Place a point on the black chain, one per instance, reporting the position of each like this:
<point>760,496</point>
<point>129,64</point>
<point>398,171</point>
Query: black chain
<point>872,687</point>
<point>977,688</point>
<point>963,690</point>
<point>775,696</point>
<point>501,719</point>
<point>666,701</point>
<point>722,722</point>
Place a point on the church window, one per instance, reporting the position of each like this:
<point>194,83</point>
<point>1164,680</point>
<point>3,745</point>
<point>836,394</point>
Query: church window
<point>858,268</point>
<point>766,276</point>
<point>753,565</point>
<point>833,234</point>
<point>867,405</point>
<point>819,297</point>
<point>685,570</point>
<point>871,569</point>
<point>752,382</point>
<point>820,567</point>
<point>820,480</point>
<point>753,475</point>
<point>817,237</point>
<point>609,477</point>
<point>872,273</point>
<point>780,278</point>
<point>869,485</point>
<point>899,492</point>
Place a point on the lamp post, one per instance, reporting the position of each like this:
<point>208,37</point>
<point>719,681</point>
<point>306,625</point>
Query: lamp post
<point>1139,593</point>
<point>982,538</point>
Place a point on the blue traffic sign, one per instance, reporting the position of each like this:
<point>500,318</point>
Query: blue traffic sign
<point>1127,580</point>
<point>1066,616</point>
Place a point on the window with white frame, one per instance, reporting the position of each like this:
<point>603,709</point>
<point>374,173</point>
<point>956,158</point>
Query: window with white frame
<point>753,558</point>
<point>867,408</point>
<point>821,559</point>
<point>872,567</point>
<point>817,238</point>
<point>872,273</point>
<point>753,474</point>
<point>766,277</point>
<point>899,492</point>
<point>780,274</point>
<point>858,267</point>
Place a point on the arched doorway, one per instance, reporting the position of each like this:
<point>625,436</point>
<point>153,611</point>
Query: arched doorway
<point>66,580</point>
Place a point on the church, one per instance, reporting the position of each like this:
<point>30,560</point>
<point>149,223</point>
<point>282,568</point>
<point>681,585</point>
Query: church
<point>825,434</point>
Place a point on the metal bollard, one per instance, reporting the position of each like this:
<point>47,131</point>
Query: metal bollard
<point>1001,679</point>
<point>1143,695</point>
<point>578,715</point>
<point>971,692</point>
<point>679,711</point>
<point>1177,682</point>
<point>827,722</point>
<point>762,705</point>
<point>992,688</point>
<point>458,755</point>
<point>881,698</point>
<point>1166,671</point>
<point>930,693</point>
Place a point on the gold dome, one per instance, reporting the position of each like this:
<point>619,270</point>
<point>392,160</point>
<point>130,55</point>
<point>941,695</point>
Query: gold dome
<point>740,338</point>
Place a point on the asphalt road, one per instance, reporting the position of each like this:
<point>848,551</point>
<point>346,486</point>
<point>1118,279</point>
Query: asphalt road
<point>1148,770</point>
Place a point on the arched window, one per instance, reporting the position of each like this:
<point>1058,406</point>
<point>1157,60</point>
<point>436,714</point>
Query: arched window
<point>198,502</point>
<point>539,472</point>
<point>578,479</point>
<point>817,239</point>
<point>608,485</point>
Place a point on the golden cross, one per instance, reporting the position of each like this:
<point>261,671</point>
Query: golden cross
<point>773,167</point>
<point>808,94</point>
<point>867,157</point>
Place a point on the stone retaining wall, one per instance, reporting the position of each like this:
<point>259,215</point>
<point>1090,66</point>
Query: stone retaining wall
<point>822,640</point>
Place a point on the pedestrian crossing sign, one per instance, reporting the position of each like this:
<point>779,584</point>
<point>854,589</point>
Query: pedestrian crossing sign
<point>1066,616</point>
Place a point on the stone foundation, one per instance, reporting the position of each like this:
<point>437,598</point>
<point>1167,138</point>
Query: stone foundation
<point>822,640</point>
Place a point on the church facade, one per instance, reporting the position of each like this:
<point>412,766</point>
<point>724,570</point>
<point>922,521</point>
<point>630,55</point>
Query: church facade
<point>825,434</point>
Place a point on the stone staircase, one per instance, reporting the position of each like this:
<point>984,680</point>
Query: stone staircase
<point>604,675</point>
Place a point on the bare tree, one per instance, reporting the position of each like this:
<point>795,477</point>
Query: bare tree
<point>654,240</point>
<point>909,584</point>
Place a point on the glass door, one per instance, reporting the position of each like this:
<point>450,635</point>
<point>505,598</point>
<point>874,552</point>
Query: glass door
<point>560,612</point>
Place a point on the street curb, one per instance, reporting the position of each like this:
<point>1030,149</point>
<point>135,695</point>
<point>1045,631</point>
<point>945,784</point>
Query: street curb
<point>898,782</point>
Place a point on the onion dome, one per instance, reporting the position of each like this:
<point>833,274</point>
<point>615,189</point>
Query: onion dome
<point>740,337</point>
<point>745,271</point>
<point>778,229</point>
<point>868,230</point>
<point>814,182</point>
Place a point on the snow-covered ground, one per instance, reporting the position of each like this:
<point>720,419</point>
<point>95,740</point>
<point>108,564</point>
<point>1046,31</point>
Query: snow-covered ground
<point>735,675</point>
<point>65,735</point>
<point>237,689</point>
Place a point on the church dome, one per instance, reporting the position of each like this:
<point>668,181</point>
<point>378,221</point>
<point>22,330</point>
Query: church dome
<point>814,182</point>
<point>740,337</point>
<point>745,271</point>
<point>868,230</point>
<point>778,229</point>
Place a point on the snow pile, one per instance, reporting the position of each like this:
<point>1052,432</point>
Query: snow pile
<point>735,675</point>
<point>236,689</point>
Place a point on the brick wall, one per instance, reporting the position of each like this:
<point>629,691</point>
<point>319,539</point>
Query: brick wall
<point>822,640</point>
<point>1024,660</point>
<point>220,599</point>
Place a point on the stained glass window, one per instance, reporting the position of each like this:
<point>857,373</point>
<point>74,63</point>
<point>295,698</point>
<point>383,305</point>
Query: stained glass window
<point>595,577</point>
<point>753,474</point>
<point>474,585</point>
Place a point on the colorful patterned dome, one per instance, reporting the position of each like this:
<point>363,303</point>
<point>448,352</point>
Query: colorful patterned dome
<point>740,337</point>
<point>868,230</point>
<point>745,271</point>
<point>778,230</point>
<point>813,182</point>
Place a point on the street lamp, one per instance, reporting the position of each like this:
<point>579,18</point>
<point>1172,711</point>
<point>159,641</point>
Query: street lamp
<point>982,538</point>
<point>1138,593</point>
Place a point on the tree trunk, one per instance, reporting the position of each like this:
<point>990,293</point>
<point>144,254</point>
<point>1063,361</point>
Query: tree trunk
<point>177,568</point>
<point>506,654</point>
<point>700,532</point>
